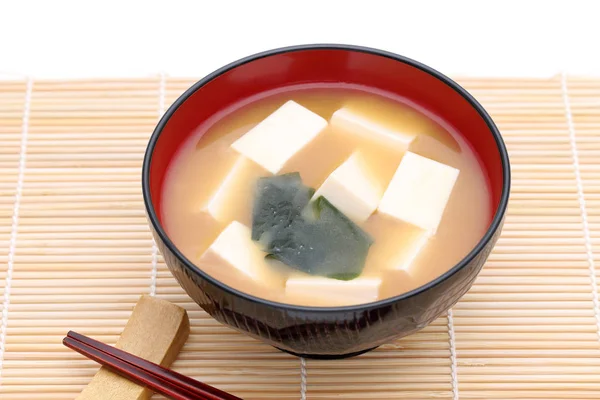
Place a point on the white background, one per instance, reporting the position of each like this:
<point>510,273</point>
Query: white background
<point>75,39</point>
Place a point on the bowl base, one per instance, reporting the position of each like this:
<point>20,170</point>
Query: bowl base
<point>328,356</point>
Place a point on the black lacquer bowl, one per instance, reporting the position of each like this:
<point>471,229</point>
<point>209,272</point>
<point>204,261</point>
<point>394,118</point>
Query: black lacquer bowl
<point>319,332</point>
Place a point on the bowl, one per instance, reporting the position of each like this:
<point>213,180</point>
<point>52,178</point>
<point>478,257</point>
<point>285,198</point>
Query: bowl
<point>326,332</point>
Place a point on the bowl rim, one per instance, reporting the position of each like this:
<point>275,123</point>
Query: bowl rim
<point>192,268</point>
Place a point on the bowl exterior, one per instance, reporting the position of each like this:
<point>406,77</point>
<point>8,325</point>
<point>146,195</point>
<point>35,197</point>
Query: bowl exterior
<point>310,331</point>
<point>328,334</point>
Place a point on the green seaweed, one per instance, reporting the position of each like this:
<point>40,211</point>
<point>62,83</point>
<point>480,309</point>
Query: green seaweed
<point>345,277</point>
<point>279,201</point>
<point>320,242</point>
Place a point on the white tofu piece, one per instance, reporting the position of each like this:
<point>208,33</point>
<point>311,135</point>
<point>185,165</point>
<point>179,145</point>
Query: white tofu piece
<point>234,254</point>
<point>232,199</point>
<point>278,137</point>
<point>333,291</point>
<point>419,191</point>
<point>352,189</point>
<point>397,244</point>
<point>354,123</point>
<point>407,245</point>
<point>409,250</point>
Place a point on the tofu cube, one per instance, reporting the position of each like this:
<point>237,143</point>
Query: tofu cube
<point>360,125</point>
<point>413,243</point>
<point>234,256</point>
<point>352,189</point>
<point>397,244</point>
<point>233,198</point>
<point>333,291</point>
<point>419,191</point>
<point>278,137</point>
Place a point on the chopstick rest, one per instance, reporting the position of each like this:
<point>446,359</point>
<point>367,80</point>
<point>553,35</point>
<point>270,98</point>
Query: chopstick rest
<point>156,331</point>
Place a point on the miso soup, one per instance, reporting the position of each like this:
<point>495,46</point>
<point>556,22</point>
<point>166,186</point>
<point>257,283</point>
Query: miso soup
<point>325,196</point>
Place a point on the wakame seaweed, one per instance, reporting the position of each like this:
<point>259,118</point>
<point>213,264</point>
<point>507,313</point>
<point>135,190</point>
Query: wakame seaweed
<point>279,200</point>
<point>323,242</point>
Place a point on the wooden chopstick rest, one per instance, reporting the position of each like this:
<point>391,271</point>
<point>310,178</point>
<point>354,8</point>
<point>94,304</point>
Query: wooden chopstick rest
<point>156,331</point>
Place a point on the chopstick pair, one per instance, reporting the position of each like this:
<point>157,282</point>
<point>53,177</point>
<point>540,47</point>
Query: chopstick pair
<point>161,380</point>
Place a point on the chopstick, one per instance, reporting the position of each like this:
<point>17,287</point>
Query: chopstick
<point>162,380</point>
<point>130,372</point>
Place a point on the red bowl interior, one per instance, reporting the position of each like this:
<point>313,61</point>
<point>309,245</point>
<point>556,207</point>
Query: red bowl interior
<point>381,71</point>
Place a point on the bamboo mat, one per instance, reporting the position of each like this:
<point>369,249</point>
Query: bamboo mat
<point>75,253</point>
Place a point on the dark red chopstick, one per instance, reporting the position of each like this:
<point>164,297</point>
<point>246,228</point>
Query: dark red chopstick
<point>175,377</point>
<point>159,379</point>
<point>130,372</point>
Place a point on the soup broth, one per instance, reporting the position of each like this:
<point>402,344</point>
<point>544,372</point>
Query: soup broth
<point>407,247</point>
